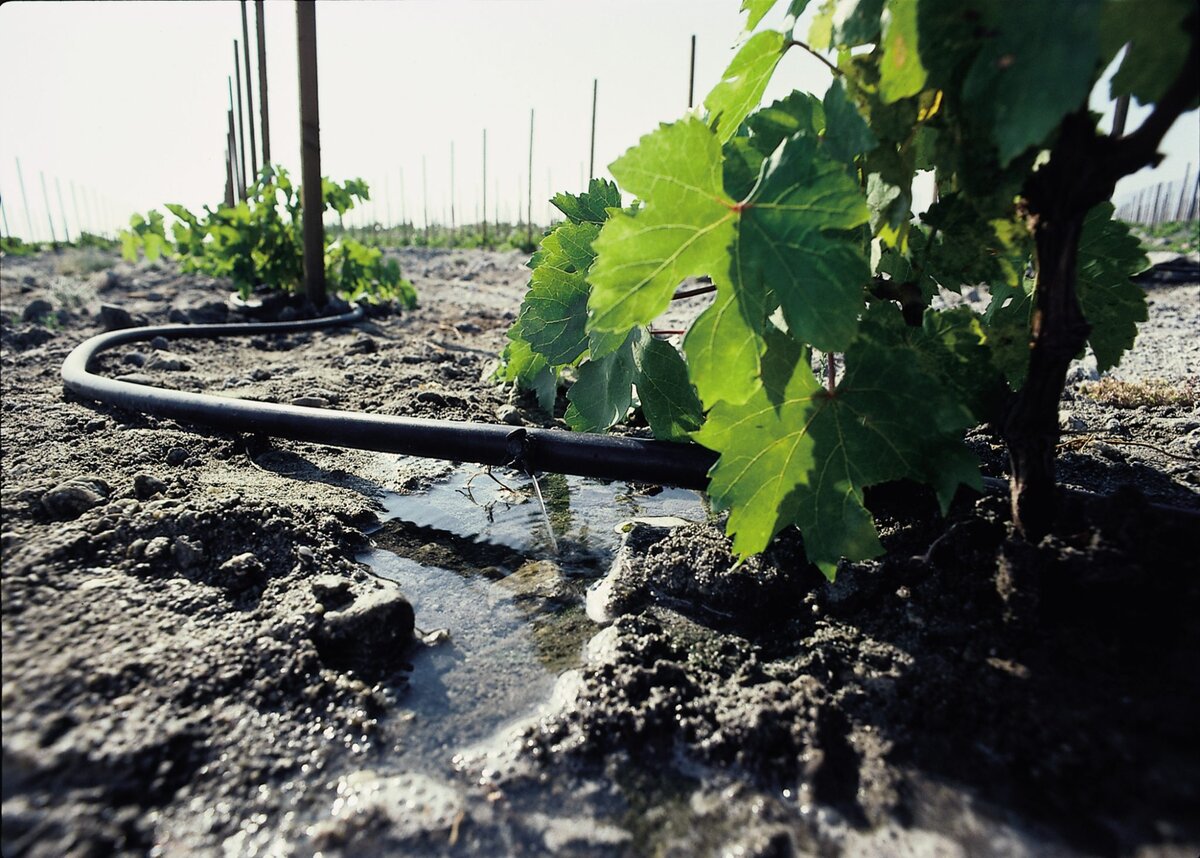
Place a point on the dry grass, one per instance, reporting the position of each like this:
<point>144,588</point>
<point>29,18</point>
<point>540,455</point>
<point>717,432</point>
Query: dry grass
<point>1138,394</point>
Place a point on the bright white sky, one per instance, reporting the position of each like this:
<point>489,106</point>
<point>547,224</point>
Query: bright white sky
<point>123,104</point>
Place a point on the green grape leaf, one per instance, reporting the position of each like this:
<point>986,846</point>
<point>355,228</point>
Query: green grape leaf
<point>592,206</point>
<point>723,351</point>
<point>798,113</point>
<point>951,345</point>
<point>1033,66</point>
<point>969,249</point>
<point>742,86</point>
<point>790,241</point>
<point>1111,302</point>
<point>683,230</point>
<point>668,399</point>
<point>820,32</point>
<point>901,72</point>
<point>1158,44</point>
<point>1007,325</point>
<point>554,313</point>
<point>757,9</point>
<point>806,458</point>
<point>743,164</point>
<point>846,132</point>
<point>529,370</point>
<point>856,22</point>
<point>603,394</point>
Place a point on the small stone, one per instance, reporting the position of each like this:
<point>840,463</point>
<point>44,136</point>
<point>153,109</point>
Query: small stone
<point>165,361</point>
<point>1113,426</point>
<point>37,310</point>
<point>369,635</point>
<point>134,358</point>
<point>156,548</point>
<point>96,424</point>
<point>209,312</point>
<point>361,345</point>
<point>331,591</point>
<point>430,397</point>
<point>243,565</point>
<point>178,317</point>
<point>105,281</point>
<point>1110,452</point>
<point>146,486</point>
<point>188,552</point>
<point>311,401</point>
<point>160,344</point>
<point>509,414</point>
<point>1069,422</point>
<point>71,499</point>
<point>289,314</point>
<point>114,318</point>
<point>177,456</point>
<point>260,374</point>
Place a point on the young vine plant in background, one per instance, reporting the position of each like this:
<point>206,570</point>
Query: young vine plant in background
<point>801,215</point>
<point>259,242</point>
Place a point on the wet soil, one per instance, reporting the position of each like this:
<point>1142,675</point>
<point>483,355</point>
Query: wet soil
<point>196,659</point>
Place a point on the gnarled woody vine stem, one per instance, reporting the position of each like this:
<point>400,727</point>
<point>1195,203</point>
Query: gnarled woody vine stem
<point>1082,171</point>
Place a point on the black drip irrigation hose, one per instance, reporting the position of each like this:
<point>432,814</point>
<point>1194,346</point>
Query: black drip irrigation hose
<point>531,450</point>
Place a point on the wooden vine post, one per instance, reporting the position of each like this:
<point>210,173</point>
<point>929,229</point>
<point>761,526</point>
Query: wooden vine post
<point>483,217</point>
<point>259,22</point>
<point>249,95</point>
<point>312,202</point>
<point>529,197</point>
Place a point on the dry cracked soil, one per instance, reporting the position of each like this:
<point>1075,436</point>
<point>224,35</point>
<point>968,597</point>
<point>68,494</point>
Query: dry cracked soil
<point>195,661</point>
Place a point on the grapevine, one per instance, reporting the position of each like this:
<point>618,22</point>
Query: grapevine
<point>257,242</point>
<point>801,213</point>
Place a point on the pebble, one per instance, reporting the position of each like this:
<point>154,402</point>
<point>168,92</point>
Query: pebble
<point>509,414</point>
<point>242,565</point>
<point>156,548</point>
<point>37,310</point>
<point>71,499</point>
<point>105,281</point>
<point>114,318</point>
<point>370,633</point>
<point>330,590</point>
<point>188,552</point>
<point>96,424</point>
<point>311,401</point>
<point>260,374</point>
<point>177,456</point>
<point>135,358</point>
<point>431,397</point>
<point>1114,427</point>
<point>145,486</point>
<point>165,361</point>
<point>1070,422</point>
<point>361,345</point>
<point>160,344</point>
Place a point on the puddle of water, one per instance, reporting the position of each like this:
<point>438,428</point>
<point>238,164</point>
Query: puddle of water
<point>493,670</point>
<point>583,512</point>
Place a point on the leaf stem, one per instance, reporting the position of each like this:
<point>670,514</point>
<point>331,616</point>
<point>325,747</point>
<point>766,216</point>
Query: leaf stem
<point>797,43</point>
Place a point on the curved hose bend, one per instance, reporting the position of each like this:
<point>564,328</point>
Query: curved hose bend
<point>603,456</point>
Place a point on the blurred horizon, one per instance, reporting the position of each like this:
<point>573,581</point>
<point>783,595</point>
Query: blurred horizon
<point>121,106</point>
